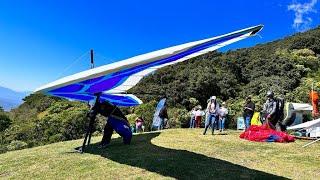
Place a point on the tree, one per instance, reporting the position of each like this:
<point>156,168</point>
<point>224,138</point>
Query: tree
<point>5,121</point>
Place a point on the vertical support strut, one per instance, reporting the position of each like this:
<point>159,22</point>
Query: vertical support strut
<point>92,114</point>
<point>92,117</point>
<point>91,59</point>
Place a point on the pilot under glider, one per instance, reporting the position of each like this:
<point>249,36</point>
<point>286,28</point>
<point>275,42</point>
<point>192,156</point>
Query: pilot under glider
<point>108,84</point>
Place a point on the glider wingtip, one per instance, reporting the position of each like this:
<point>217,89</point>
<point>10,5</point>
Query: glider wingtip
<point>256,29</point>
<point>35,91</point>
<point>139,101</point>
<point>39,89</point>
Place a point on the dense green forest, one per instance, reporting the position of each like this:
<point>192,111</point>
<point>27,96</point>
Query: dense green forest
<point>288,67</point>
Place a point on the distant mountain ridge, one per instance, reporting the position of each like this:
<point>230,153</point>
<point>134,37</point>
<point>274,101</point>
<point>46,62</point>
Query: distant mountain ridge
<point>10,99</point>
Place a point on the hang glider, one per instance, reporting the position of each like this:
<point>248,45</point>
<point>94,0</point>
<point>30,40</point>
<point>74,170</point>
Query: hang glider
<point>112,81</point>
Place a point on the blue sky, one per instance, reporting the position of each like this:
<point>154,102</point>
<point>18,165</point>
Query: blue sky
<point>41,41</point>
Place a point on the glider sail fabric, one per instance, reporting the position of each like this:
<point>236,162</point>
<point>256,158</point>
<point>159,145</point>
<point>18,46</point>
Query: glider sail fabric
<point>156,122</point>
<point>113,80</point>
<point>124,100</point>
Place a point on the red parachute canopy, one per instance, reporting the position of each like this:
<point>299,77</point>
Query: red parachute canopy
<point>265,134</point>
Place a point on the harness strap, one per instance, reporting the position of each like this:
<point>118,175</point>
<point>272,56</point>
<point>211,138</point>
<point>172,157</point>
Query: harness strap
<point>113,110</point>
<point>117,117</point>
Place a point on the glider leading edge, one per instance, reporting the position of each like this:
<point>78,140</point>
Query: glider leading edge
<point>112,81</point>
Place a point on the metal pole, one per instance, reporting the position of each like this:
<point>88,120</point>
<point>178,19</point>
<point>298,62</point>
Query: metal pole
<point>92,118</point>
<point>311,142</point>
<point>91,59</point>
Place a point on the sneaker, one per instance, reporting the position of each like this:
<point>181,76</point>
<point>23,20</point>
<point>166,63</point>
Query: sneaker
<point>78,149</point>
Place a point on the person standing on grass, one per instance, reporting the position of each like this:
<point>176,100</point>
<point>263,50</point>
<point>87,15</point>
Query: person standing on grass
<point>193,117</point>
<point>248,110</point>
<point>223,112</point>
<point>269,108</point>
<point>139,124</point>
<point>198,116</point>
<point>213,109</point>
<point>163,114</point>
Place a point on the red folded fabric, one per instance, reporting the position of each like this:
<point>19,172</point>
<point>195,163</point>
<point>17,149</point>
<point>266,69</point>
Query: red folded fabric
<point>265,134</point>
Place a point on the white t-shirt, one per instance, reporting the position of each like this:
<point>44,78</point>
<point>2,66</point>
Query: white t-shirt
<point>193,113</point>
<point>199,113</point>
<point>223,111</point>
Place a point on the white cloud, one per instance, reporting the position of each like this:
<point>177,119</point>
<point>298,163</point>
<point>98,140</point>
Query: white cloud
<point>301,10</point>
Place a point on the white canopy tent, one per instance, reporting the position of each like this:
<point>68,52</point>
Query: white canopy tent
<point>295,112</point>
<point>309,124</point>
<point>312,127</point>
<point>302,107</point>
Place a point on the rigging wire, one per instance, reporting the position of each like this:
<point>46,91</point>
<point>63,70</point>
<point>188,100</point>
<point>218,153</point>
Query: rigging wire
<point>259,36</point>
<point>72,64</point>
<point>106,60</point>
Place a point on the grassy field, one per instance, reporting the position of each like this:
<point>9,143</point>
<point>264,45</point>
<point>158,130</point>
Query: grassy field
<point>174,153</point>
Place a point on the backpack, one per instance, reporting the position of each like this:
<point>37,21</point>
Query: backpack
<point>255,120</point>
<point>280,108</point>
<point>280,125</point>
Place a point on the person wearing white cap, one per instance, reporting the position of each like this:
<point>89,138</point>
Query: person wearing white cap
<point>213,109</point>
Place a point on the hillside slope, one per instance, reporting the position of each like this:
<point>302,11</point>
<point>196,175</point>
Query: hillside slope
<point>175,153</point>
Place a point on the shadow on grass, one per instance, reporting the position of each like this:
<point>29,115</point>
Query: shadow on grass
<point>180,164</point>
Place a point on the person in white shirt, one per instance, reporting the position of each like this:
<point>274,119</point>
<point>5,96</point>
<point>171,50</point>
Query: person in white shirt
<point>223,112</point>
<point>198,116</point>
<point>193,116</point>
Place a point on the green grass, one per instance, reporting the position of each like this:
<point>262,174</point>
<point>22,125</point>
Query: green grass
<point>174,153</point>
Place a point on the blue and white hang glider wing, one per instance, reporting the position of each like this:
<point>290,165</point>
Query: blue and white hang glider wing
<point>114,80</point>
